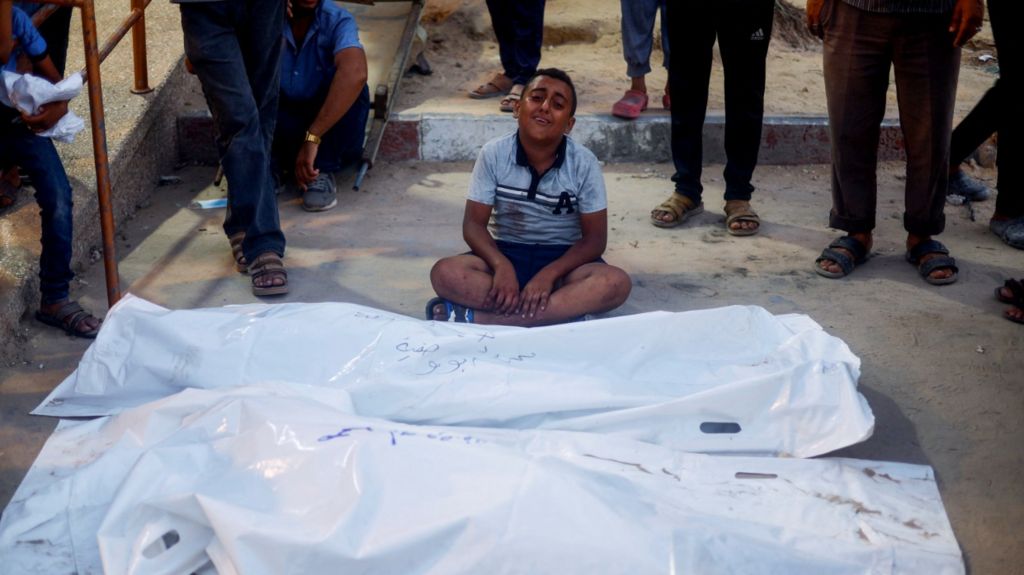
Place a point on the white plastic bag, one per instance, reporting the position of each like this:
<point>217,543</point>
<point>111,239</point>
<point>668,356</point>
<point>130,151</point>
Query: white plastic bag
<point>26,93</point>
<point>728,380</point>
<point>282,479</point>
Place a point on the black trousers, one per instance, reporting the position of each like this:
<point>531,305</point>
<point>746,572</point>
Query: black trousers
<point>519,27</point>
<point>997,112</point>
<point>743,29</point>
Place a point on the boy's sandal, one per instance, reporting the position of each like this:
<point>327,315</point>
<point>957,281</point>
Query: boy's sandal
<point>740,211</point>
<point>236,252</point>
<point>268,265</point>
<point>681,207</point>
<point>508,103</point>
<point>940,262</point>
<point>452,311</point>
<point>71,318</point>
<point>496,86</point>
<point>1016,289</point>
<point>846,263</point>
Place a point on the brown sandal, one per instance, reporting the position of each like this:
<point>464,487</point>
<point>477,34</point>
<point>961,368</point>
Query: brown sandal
<point>236,252</point>
<point>268,265</point>
<point>681,207</point>
<point>496,86</point>
<point>737,211</point>
<point>71,318</point>
<point>508,103</point>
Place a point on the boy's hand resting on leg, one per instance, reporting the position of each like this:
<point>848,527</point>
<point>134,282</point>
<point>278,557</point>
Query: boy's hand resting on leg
<point>504,294</point>
<point>536,293</point>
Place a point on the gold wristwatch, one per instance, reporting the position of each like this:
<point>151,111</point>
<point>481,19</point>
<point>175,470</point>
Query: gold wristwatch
<point>311,137</point>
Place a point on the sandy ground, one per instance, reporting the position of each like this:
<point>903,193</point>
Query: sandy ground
<point>584,38</point>
<point>941,368</point>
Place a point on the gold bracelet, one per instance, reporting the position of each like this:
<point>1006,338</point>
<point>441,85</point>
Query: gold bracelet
<point>311,137</point>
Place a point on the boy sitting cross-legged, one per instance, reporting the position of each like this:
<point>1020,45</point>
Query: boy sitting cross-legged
<point>543,194</point>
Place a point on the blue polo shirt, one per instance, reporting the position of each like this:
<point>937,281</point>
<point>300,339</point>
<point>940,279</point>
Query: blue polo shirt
<point>532,208</point>
<point>29,40</point>
<point>307,70</point>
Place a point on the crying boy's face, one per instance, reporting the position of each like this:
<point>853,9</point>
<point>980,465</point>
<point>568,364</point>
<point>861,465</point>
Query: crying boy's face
<point>545,110</point>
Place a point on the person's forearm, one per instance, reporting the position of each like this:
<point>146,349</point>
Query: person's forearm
<point>46,69</point>
<point>345,87</point>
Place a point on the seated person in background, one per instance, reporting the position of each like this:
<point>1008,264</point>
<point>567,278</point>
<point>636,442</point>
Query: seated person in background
<point>545,199</point>
<point>37,156</point>
<point>321,119</point>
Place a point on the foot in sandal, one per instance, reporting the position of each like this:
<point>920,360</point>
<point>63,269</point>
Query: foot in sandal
<point>241,264</point>
<point>268,275</point>
<point>69,316</point>
<point>1012,292</point>
<point>740,218</point>
<point>498,85</point>
<point>675,210</point>
<point>843,255</point>
<point>508,103</point>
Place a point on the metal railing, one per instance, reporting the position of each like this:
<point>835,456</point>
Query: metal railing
<point>94,56</point>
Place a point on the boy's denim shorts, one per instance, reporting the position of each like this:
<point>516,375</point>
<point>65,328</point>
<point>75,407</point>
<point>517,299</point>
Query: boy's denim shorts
<point>528,259</point>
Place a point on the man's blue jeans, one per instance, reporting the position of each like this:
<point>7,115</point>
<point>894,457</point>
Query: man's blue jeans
<point>341,146</point>
<point>235,48</point>
<point>37,157</point>
<point>638,35</point>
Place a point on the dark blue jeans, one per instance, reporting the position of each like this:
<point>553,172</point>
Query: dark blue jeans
<point>235,48</point>
<point>38,158</point>
<point>340,146</point>
<point>519,27</point>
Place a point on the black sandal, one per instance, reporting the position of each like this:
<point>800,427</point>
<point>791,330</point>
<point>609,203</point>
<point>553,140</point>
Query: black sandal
<point>942,261</point>
<point>845,262</point>
<point>71,318</point>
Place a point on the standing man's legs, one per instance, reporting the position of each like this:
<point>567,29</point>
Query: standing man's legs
<point>692,29</point>
<point>743,41</point>
<point>926,68</point>
<point>856,66</point>
<point>637,39</point>
<point>234,47</point>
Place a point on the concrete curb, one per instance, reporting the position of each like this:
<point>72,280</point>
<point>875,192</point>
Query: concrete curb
<point>458,138</point>
<point>455,137</point>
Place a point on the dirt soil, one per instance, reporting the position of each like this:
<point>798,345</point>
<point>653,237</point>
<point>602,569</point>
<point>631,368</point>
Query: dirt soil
<point>584,38</point>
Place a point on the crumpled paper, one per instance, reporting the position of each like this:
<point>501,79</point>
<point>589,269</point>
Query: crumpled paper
<point>26,93</point>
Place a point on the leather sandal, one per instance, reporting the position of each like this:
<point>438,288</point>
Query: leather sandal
<point>496,86</point>
<point>268,265</point>
<point>740,211</point>
<point>236,252</point>
<point>681,207</point>
<point>71,318</point>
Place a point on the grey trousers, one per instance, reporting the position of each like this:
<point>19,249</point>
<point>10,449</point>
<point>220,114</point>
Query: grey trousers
<point>860,48</point>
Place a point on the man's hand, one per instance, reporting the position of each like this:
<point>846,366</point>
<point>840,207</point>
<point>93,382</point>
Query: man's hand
<point>814,17</point>
<point>305,173</point>
<point>504,294</point>
<point>967,17</point>
<point>47,117</point>
<point>536,293</point>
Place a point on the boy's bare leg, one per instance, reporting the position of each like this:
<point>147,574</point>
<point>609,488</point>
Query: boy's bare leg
<point>590,288</point>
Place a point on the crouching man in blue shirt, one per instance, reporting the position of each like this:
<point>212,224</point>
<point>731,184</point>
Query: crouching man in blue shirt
<point>324,102</point>
<point>540,261</point>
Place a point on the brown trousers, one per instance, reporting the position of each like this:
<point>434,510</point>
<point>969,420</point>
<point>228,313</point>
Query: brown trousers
<point>860,47</point>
